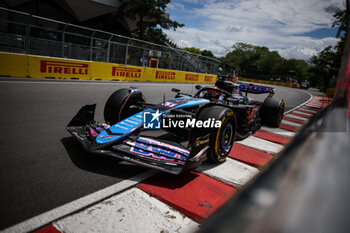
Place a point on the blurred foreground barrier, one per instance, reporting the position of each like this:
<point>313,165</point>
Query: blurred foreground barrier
<point>21,65</point>
<point>306,188</point>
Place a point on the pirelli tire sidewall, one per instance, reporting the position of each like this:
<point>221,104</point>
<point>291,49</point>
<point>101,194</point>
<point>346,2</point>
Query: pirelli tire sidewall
<point>226,116</point>
<point>271,112</point>
<point>118,105</point>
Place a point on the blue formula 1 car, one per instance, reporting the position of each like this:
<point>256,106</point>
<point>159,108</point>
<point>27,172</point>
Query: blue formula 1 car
<point>178,134</point>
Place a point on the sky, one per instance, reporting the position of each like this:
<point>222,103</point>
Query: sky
<point>295,28</point>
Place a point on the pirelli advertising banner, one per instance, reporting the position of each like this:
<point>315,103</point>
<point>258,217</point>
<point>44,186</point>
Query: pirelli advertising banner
<point>20,65</point>
<point>44,67</point>
<point>13,64</point>
<point>110,71</point>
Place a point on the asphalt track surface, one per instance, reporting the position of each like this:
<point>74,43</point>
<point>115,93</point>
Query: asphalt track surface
<point>41,166</point>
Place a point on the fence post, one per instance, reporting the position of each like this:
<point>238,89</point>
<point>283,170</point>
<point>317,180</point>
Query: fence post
<point>91,43</point>
<point>27,42</point>
<point>109,47</point>
<point>127,51</point>
<point>63,39</point>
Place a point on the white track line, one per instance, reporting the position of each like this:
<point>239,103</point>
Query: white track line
<point>296,117</point>
<point>291,123</point>
<point>64,210</point>
<point>279,131</point>
<point>308,114</point>
<point>307,101</point>
<point>314,106</point>
<point>261,144</point>
<point>230,172</point>
<point>130,211</point>
<point>308,110</point>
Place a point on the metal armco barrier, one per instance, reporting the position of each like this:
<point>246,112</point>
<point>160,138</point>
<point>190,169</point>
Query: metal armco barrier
<point>21,65</point>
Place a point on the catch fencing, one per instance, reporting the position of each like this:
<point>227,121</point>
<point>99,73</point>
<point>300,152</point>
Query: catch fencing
<point>24,33</point>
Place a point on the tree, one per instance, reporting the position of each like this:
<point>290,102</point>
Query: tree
<point>207,53</point>
<point>253,61</point>
<point>300,67</point>
<point>150,17</point>
<point>327,63</point>
<point>238,59</point>
<point>193,50</point>
<point>323,67</point>
<point>340,21</point>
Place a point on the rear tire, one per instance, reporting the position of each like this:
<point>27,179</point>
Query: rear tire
<point>221,139</point>
<point>118,105</point>
<point>271,112</point>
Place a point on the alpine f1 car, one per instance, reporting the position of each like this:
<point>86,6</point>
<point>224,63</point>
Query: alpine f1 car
<point>178,134</point>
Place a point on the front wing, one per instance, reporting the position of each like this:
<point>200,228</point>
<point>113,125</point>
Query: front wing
<point>149,152</point>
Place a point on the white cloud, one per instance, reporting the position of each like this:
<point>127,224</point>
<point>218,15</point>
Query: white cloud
<point>184,44</point>
<point>304,48</point>
<point>272,23</point>
<point>175,6</point>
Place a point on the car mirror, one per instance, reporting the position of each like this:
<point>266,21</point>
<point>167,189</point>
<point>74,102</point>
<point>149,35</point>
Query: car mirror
<point>198,87</point>
<point>175,90</point>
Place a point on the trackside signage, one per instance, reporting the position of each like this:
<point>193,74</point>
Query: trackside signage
<point>165,75</point>
<point>62,67</point>
<point>191,77</point>
<point>157,120</point>
<point>23,65</point>
<point>208,78</point>
<point>125,72</point>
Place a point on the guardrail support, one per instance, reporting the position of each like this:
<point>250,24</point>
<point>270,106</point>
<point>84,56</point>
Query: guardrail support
<point>27,41</point>
<point>63,38</point>
<point>91,44</point>
<point>109,47</point>
<point>127,51</point>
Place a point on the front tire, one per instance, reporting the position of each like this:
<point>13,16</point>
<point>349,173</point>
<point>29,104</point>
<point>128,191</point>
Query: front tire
<point>118,105</point>
<point>221,139</point>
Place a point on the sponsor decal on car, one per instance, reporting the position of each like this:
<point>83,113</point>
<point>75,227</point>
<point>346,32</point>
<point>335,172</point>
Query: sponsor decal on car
<point>200,142</point>
<point>155,149</point>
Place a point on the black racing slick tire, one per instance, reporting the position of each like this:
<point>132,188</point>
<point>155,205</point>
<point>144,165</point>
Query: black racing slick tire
<point>118,105</point>
<point>271,112</point>
<point>221,139</point>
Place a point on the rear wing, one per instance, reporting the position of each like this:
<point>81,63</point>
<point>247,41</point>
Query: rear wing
<point>256,89</point>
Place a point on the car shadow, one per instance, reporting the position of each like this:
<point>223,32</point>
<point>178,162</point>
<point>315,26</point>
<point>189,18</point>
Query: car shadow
<point>170,181</point>
<point>110,166</point>
<point>100,164</point>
